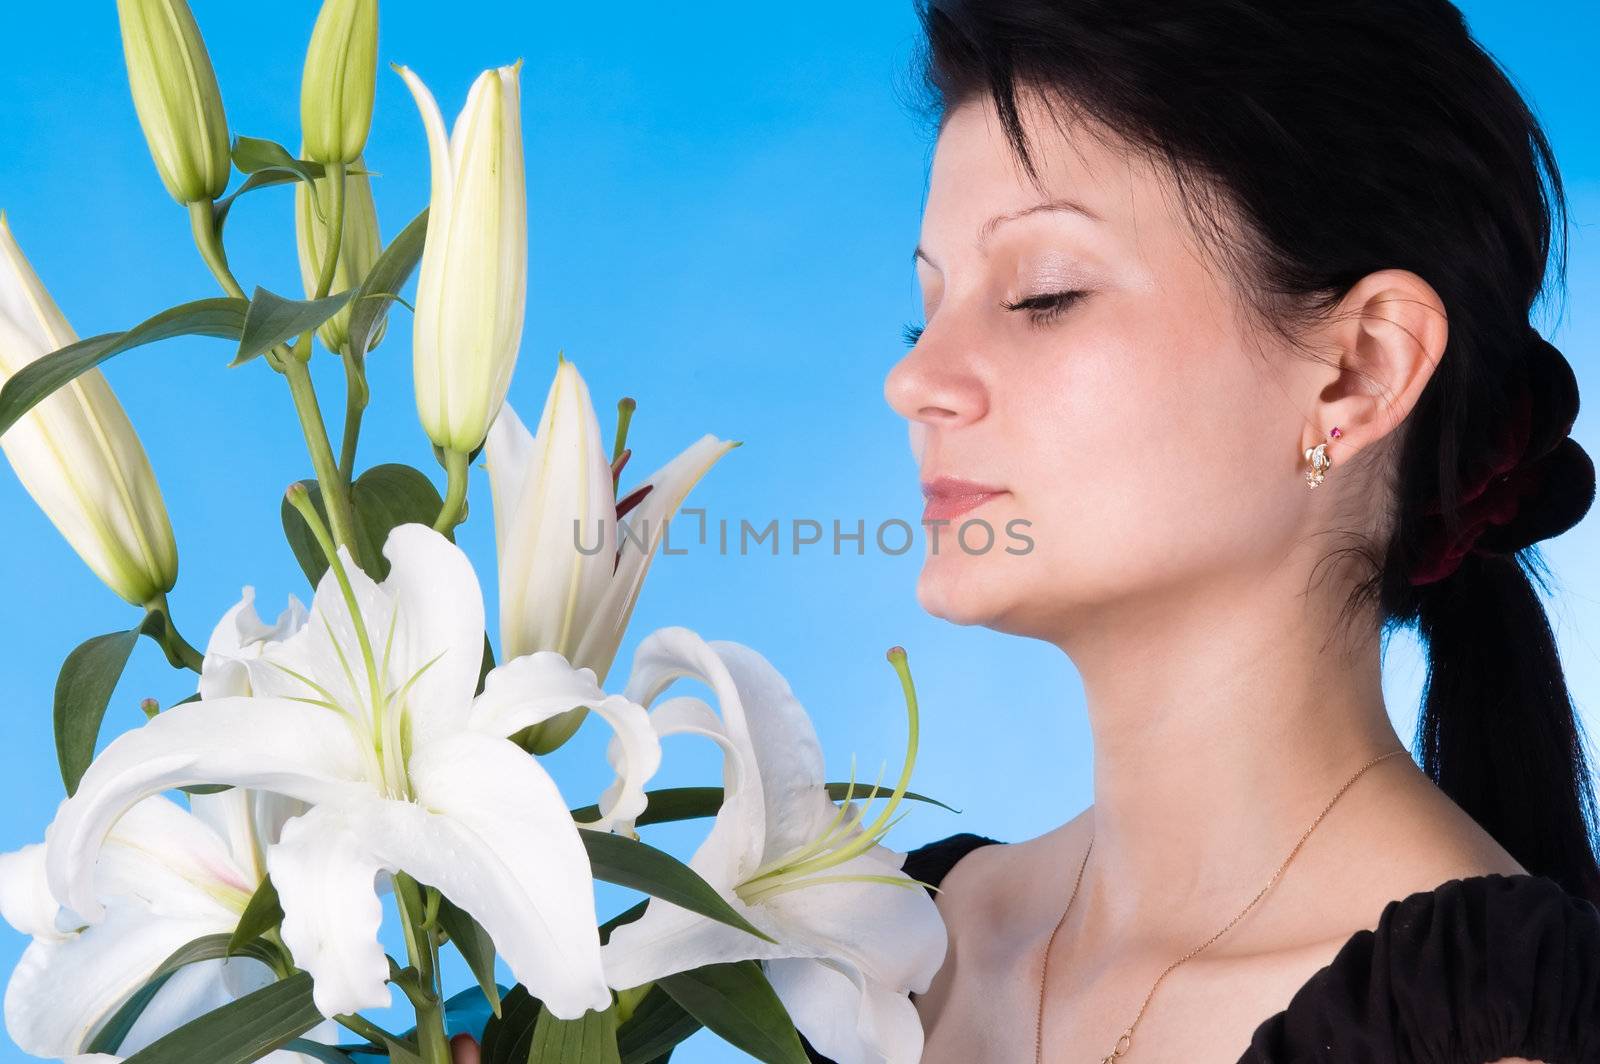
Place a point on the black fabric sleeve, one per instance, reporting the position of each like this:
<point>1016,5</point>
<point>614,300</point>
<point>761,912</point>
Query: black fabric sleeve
<point>1478,969</point>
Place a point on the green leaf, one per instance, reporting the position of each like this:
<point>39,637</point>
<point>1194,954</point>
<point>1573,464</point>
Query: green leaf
<point>206,948</point>
<point>261,914</point>
<point>626,916</point>
<point>83,691</point>
<point>508,1038</point>
<point>589,1039</point>
<point>487,666</point>
<point>475,945</point>
<point>631,863</point>
<point>670,804</point>
<point>388,496</point>
<point>272,319</point>
<point>401,1052</point>
<point>384,497</point>
<point>381,287</point>
<point>318,1051</point>
<point>221,317</point>
<point>242,1030</point>
<point>657,1025</point>
<point>739,1005</point>
<point>252,155</point>
<point>274,176</point>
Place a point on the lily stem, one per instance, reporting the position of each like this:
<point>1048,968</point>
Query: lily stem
<point>366,1029</point>
<point>179,653</point>
<point>355,405</point>
<point>335,493</point>
<point>431,1041</point>
<point>334,230</point>
<point>203,224</point>
<point>451,515</point>
<point>292,364</point>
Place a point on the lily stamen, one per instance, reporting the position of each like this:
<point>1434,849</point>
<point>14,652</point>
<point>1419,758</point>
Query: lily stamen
<point>798,868</point>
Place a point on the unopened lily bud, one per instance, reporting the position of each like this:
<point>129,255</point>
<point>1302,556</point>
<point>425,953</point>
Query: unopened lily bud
<point>175,93</point>
<point>336,88</point>
<point>473,282</point>
<point>358,249</point>
<point>76,453</point>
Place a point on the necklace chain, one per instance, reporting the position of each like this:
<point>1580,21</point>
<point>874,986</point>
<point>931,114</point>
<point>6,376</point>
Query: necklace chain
<point>1125,1040</point>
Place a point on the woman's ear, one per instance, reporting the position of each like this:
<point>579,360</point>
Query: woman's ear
<point>1383,343</point>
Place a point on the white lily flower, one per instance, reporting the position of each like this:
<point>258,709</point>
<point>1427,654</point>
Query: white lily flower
<point>472,287</point>
<point>76,452</point>
<point>167,876</point>
<point>368,712</point>
<point>855,933</point>
<point>564,583</point>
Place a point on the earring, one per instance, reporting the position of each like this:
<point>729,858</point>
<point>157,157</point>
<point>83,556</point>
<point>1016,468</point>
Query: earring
<point>1320,462</point>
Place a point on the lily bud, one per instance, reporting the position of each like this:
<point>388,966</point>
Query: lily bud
<point>358,249</point>
<point>76,452</point>
<point>175,93</point>
<point>474,275</point>
<point>336,88</point>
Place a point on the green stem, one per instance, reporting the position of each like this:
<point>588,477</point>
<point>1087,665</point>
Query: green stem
<point>179,653</point>
<point>335,494</point>
<point>335,229</point>
<point>431,1041</point>
<point>366,1029</point>
<point>629,999</point>
<point>202,223</point>
<point>355,404</point>
<point>450,515</point>
<point>209,241</point>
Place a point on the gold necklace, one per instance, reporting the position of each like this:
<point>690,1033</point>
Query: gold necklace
<point>1125,1040</point>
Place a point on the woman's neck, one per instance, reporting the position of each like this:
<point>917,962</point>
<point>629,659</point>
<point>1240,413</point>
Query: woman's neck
<point>1223,723</point>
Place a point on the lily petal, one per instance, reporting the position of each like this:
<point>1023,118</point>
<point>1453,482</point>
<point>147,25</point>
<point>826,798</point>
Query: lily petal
<point>61,991</point>
<point>530,689</point>
<point>846,1018</point>
<point>669,939</point>
<point>556,561</point>
<point>324,870</point>
<point>646,524</point>
<point>490,831</point>
<point>528,880</point>
<point>438,607</point>
<point>296,749</point>
<point>234,649</point>
<point>249,820</point>
<point>535,687</point>
<point>25,899</point>
<point>685,714</point>
<point>160,852</point>
<point>893,934</point>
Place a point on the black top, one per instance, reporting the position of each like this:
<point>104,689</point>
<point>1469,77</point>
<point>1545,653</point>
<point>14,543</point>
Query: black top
<point>1475,970</point>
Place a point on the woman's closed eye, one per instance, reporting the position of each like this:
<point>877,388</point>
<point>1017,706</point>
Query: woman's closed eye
<point>1042,310</point>
<point>1047,306</point>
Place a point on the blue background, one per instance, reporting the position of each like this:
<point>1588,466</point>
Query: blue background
<point>723,198</point>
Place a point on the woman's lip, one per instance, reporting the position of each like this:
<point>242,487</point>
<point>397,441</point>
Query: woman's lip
<point>957,486</point>
<point>943,506</point>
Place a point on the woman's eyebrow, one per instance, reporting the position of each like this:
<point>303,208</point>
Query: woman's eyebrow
<point>986,230</point>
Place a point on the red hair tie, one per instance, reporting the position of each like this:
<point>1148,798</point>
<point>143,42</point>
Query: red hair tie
<point>1512,475</point>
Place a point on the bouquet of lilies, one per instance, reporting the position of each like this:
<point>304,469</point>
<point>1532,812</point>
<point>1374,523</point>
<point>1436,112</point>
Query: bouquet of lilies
<point>212,887</point>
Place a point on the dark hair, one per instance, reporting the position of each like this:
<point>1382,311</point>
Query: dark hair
<point>1315,142</point>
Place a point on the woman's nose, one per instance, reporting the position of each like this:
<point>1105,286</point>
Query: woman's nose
<point>935,387</point>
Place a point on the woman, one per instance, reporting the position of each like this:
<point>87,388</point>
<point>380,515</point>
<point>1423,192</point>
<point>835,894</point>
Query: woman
<point>1228,302</point>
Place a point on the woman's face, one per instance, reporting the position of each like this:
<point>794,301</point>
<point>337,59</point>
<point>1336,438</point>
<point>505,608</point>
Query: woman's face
<point>1091,365</point>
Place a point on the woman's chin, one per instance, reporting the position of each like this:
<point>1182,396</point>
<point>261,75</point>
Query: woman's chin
<point>958,591</point>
